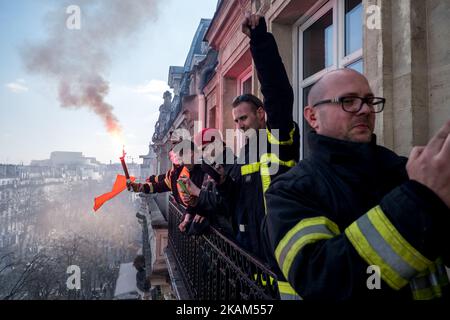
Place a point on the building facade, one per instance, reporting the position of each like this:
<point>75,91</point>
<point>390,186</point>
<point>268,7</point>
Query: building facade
<point>399,45</point>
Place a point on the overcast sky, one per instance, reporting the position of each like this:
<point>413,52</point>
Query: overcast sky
<point>134,63</point>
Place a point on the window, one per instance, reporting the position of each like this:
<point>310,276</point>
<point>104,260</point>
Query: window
<point>353,26</point>
<point>244,85</point>
<point>247,86</point>
<point>358,66</point>
<point>244,82</point>
<point>306,127</point>
<point>212,118</point>
<point>318,45</point>
<point>330,38</point>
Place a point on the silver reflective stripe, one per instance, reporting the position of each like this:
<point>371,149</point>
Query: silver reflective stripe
<point>434,279</point>
<point>242,227</point>
<point>384,250</point>
<point>321,228</point>
<point>442,274</point>
<point>287,296</point>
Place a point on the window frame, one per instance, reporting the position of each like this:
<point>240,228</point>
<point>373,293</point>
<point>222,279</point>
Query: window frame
<point>244,76</point>
<point>316,12</point>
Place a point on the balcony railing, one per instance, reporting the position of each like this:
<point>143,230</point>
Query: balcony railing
<point>215,268</point>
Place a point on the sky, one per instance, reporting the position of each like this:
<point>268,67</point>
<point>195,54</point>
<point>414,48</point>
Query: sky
<point>134,60</point>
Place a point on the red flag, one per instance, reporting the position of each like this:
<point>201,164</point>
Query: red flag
<point>119,185</point>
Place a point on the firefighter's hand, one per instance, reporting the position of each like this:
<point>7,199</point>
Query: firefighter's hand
<point>430,165</point>
<point>198,218</point>
<point>253,23</point>
<point>134,186</point>
<point>184,223</point>
<point>189,199</point>
<point>140,187</point>
<point>190,186</point>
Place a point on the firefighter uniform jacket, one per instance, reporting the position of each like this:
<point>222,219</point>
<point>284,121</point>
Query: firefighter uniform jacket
<point>168,181</point>
<point>249,179</point>
<point>348,211</point>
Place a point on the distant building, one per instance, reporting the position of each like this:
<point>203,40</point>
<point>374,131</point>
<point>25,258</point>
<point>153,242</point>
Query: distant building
<point>126,283</point>
<point>187,105</point>
<point>150,163</point>
<point>66,158</point>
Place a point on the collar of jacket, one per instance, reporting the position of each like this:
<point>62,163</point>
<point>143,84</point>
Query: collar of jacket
<point>371,169</point>
<point>337,151</point>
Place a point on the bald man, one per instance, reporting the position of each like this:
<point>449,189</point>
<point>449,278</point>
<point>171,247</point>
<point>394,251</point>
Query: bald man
<point>354,220</point>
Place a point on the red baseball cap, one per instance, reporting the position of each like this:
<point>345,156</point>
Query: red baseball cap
<point>206,136</point>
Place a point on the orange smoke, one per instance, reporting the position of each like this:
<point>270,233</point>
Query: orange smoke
<point>90,91</point>
<point>78,60</point>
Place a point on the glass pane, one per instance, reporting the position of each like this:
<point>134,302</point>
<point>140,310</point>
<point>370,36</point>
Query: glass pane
<point>318,45</point>
<point>353,26</point>
<point>358,66</point>
<point>247,86</point>
<point>212,118</point>
<point>306,91</point>
<point>306,127</point>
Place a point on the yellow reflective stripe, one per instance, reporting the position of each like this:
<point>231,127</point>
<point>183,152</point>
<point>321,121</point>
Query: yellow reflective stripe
<point>250,168</point>
<point>308,222</point>
<point>265,171</point>
<point>308,239</point>
<point>426,294</point>
<point>265,180</point>
<point>378,242</point>
<point>265,159</point>
<point>413,257</point>
<point>263,168</point>
<point>286,288</point>
<point>272,157</point>
<point>307,231</point>
<point>287,292</point>
<point>265,175</point>
<point>274,140</point>
<point>263,281</point>
<point>364,249</point>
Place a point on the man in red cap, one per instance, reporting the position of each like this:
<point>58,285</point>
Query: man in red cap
<point>168,182</point>
<point>205,201</point>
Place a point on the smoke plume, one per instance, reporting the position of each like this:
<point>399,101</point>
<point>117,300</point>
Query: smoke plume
<point>78,60</point>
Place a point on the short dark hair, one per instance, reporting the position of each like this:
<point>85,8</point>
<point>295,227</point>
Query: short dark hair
<point>253,100</point>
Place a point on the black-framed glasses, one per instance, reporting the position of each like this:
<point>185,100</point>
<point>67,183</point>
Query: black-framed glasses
<point>354,104</point>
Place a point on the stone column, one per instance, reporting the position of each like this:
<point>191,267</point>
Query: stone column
<point>396,65</point>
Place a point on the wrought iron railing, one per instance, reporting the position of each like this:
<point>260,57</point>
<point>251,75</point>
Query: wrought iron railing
<point>215,268</point>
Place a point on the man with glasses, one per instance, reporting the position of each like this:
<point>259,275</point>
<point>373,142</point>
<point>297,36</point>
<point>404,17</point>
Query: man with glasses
<point>354,220</point>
